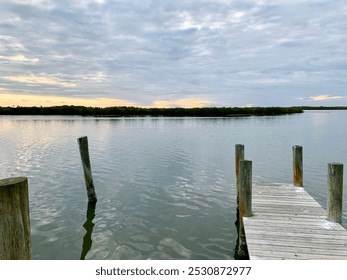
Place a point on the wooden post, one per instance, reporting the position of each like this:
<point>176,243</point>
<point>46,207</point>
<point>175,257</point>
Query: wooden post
<point>245,205</point>
<point>335,192</point>
<point>83,145</point>
<point>239,155</point>
<point>245,199</point>
<point>297,166</point>
<point>15,236</point>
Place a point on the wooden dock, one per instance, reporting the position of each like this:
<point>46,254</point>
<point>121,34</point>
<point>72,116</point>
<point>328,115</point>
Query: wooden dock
<point>287,223</point>
<point>283,221</point>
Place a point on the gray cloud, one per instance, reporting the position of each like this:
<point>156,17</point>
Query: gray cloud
<point>231,53</point>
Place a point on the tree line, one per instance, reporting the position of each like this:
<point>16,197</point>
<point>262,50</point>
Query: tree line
<point>138,111</point>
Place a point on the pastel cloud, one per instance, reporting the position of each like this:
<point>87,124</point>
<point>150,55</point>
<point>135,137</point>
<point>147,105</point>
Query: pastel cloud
<point>176,53</point>
<point>183,103</point>
<point>19,58</point>
<point>326,97</point>
<point>42,80</point>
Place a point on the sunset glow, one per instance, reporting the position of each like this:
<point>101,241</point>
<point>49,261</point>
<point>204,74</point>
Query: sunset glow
<point>173,53</point>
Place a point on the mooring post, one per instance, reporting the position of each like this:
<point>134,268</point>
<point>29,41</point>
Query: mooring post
<point>239,155</point>
<point>245,204</point>
<point>245,199</point>
<point>297,166</point>
<point>15,236</point>
<point>84,151</point>
<point>335,192</point>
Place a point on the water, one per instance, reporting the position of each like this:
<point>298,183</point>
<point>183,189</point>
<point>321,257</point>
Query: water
<point>165,186</point>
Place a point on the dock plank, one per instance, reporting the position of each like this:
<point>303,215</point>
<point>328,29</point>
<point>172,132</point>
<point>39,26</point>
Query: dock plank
<point>287,223</point>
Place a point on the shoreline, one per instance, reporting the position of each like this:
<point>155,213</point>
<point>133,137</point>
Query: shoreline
<point>138,111</point>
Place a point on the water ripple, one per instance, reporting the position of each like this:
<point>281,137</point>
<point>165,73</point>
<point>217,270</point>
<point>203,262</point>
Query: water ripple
<point>165,186</point>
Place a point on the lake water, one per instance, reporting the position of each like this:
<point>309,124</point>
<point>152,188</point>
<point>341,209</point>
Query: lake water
<point>165,186</point>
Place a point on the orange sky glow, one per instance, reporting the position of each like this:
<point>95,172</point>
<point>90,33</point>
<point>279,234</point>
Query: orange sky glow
<point>10,99</point>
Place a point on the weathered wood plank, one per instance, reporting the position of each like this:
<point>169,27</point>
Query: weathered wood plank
<point>277,234</point>
<point>294,227</point>
<point>270,255</point>
<point>308,243</point>
<point>287,223</point>
<point>300,250</point>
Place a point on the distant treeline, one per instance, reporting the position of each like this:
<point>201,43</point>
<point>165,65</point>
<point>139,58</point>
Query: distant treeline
<point>138,111</point>
<point>323,107</point>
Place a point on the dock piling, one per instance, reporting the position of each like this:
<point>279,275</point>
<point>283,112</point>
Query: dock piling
<point>84,151</point>
<point>244,205</point>
<point>239,155</point>
<point>297,166</point>
<point>335,192</point>
<point>245,199</point>
<point>15,235</point>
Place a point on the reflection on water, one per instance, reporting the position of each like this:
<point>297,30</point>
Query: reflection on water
<point>88,225</point>
<point>166,186</point>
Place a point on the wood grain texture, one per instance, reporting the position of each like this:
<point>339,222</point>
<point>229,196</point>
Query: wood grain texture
<point>87,170</point>
<point>239,155</point>
<point>15,236</point>
<point>335,192</point>
<point>297,166</point>
<point>287,223</point>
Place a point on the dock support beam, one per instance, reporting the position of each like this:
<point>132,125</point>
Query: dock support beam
<point>84,151</point>
<point>335,192</point>
<point>297,166</point>
<point>15,236</point>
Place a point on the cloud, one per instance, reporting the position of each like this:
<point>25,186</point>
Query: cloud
<point>326,98</point>
<point>42,4</point>
<point>232,52</point>
<point>19,58</point>
<point>183,103</point>
<point>42,80</point>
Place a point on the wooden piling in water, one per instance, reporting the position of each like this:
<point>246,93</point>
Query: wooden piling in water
<point>335,192</point>
<point>84,151</point>
<point>297,166</point>
<point>239,155</point>
<point>15,236</point>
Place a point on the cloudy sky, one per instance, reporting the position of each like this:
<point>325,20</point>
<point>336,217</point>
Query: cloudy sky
<point>173,53</point>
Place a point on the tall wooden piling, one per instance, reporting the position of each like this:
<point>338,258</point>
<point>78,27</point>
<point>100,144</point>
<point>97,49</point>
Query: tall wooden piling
<point>239,155</point>
<point>297,166</point>
<point>245,199</point>
<point>245,205</point>
<point>15,236</point>
<point>335,192</point>
<point>84,151</point>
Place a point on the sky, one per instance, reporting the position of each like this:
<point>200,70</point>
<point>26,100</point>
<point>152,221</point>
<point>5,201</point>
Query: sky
<point>173,53</point>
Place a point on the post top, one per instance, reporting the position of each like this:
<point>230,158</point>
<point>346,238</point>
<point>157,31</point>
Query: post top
<point>12,181</point>
<point>297,147</point>
<point>335,163</point>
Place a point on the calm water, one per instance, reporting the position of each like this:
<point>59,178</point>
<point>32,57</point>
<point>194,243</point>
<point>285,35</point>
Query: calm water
<point>165,186</point>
